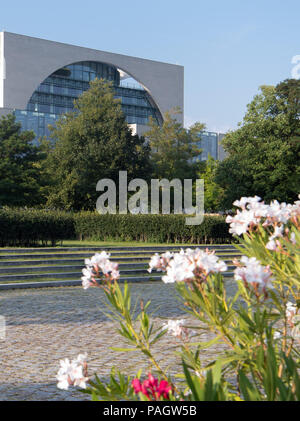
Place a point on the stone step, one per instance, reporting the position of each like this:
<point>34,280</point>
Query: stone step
<point>32,266</point>
<point>80,261</point>
<point>66,268</point>
<point>80,257</point>
<point>66,261</point>
<point>62,275</point>
<point>48,284</point>
<point>76,282</point>
<point>84,255</point>
<point>65,275</point>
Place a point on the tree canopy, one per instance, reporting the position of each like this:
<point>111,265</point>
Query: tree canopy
<point>19,165</point>
<point>92,143</point>
<point>264,152</point>
<point>213,193</point>
<point>173,148</point>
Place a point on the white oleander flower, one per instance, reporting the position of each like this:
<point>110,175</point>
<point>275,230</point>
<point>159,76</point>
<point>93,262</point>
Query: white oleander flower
<point>87,277</point>
<point>293,238</point>
<point>240,223</point>
<point>186,265</point>
<point>278,230</point>
<point>175,327</point>
<point>296,327</point>
<point>291,310</point>
<point>244,201</point>
<point>179,269</point>
<point>160,263</point>
<point>254,273</point>
<point>208,262</point>
<point>277,335</point>
<point>295,208</point>
<point>278,212</point>
<point>81,358</point>
<point>271,245</point>
<point>97,259</point>
<point>99,263</point>
<point>154,263</point>
<point>254,211</point>
<point>72,373</point>
<point>108,266</point>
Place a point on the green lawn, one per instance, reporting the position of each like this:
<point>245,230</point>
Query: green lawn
<point>114,243</point>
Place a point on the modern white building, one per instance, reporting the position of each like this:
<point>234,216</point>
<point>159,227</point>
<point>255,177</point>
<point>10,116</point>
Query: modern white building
<point>39,80</point>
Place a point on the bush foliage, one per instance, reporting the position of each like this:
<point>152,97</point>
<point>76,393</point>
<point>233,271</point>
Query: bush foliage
<point>30,227</point>
<point>154,228</point>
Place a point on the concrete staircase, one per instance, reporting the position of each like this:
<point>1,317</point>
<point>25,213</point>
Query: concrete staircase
<point>46,267</point>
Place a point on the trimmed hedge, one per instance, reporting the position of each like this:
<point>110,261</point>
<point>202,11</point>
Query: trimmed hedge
<point>151,228</point>
<point>32,227</point>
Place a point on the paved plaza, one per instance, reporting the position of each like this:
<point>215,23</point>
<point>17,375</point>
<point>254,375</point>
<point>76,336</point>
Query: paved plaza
<point>46,325</point>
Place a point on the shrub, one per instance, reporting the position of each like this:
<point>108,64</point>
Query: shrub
<point>258,326</point>
<point>151,228</point>
<point>30,227</point>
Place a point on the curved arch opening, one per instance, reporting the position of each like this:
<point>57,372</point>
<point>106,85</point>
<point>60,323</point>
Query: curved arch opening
<point>56,94</point>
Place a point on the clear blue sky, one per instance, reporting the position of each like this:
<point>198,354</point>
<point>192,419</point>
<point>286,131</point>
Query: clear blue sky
<point>227,47</point>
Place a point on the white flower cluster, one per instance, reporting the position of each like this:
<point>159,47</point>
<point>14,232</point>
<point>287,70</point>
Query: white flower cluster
<point>160,263</point>
<point>278,231</point>
<point>253,273</point>
<point>72,373</point>
<point>293,319</point>
<point>291,310</point>
<point>175,327</point>
<point>99,263</point>
<point>187,265</point>
<point>254,212</point>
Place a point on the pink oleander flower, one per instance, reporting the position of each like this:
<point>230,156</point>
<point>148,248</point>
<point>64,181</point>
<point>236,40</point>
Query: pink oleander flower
<point>254,274</point>
<point>152,389</point>
<point>99,266</point>
<point>72,373</point>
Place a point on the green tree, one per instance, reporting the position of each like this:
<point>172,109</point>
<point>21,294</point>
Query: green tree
<point>173,148</point>
<point>89,144</point>
<point>264,152</point>
<point>213,193</point>
<point>19,165</point>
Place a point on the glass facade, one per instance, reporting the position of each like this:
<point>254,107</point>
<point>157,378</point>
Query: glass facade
<point>56,95</point>
<point>209,145</point>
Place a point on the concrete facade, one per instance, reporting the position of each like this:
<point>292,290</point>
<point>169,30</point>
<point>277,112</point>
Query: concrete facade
<point>5,111</point>
<point>25,62</point>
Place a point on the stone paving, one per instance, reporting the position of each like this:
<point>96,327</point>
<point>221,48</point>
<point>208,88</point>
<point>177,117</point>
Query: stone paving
<point>46,325</point>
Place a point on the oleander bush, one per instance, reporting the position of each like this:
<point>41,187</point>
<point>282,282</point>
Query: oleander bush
<point>256,328</point>
<point>32,227</point>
